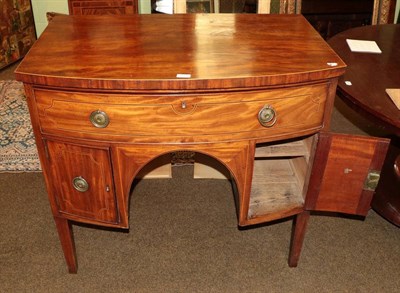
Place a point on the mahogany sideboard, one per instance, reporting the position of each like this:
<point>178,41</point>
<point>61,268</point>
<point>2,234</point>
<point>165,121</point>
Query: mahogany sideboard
<point>108,95</point>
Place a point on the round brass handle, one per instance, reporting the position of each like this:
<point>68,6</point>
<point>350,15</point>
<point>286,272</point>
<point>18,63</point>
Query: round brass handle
<point>80,184</point>
<point>99,119</point>
<point>267,116</point>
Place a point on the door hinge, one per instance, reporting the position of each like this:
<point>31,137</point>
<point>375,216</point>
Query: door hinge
<point>372,180</point>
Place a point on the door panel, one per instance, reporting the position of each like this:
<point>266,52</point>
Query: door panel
<point>82,180</point>
<point>341,167</point>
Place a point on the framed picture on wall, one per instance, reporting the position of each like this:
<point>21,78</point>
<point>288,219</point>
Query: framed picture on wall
<point>17,30</point>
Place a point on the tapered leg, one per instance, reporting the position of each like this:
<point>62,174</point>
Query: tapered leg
<point>298,232</point>
<point>67,242</point>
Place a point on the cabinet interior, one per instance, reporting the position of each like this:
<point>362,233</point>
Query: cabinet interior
<point>279,177</point>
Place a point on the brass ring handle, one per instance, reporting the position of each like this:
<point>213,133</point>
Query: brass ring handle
<point>267,116</point>
<point>80,184</point>
<point>99,119</point>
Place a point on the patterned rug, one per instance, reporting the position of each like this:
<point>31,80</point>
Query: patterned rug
<point>17,145</point>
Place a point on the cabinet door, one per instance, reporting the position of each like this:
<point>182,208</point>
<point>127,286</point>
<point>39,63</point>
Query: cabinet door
<point>82,182</point>
<point>345,173</point>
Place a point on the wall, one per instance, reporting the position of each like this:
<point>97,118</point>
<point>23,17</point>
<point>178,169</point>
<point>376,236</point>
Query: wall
<point>41,7</point>
<point>145,6</point>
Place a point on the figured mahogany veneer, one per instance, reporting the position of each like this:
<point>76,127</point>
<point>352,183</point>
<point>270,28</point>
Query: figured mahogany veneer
<point>147,118</point>
<point>255,96</point>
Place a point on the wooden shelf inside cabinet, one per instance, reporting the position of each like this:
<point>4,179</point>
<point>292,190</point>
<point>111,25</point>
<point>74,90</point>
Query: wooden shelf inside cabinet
<point>298,147</point>
<point>279,176</point>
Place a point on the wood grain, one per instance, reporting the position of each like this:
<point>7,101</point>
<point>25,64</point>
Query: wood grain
<point>238,64</point>
<point>341,167</point>
<point>205,118</point>
<point>372,74</point>
<point>93,164</point>
<point>236,157</point>
<point>148,51</point>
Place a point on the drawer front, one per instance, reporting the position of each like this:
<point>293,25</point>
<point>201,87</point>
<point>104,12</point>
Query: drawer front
<point>230,115</point>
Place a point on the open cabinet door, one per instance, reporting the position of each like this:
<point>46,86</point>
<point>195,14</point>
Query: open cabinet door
<point>345,173</point>
<point>343,179</point>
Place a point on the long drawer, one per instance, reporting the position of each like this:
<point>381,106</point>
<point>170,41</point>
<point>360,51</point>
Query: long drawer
<point>197,117</point>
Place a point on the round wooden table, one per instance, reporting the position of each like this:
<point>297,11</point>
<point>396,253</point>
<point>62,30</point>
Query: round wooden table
<point>369,76</point>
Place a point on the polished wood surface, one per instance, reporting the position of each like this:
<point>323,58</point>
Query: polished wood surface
<point>342,164</point>
<point>148,51</point>
<point>370,76</point>
<point>99,201</point>
<point>203,118</point>
<point>108,103</point>
<point>387,199</point>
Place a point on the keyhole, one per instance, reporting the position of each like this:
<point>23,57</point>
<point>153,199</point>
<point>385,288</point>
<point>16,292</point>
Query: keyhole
<point>347,170</point>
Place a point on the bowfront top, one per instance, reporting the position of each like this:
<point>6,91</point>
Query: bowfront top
<point>178,52</point>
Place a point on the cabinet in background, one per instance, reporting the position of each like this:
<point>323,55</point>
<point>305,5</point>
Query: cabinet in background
<point>94,7</point>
